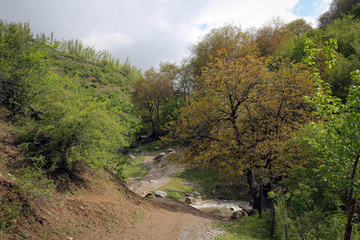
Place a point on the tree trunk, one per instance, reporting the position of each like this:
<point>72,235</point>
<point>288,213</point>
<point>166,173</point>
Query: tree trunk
<point>351,191</point>
<point>261,200</point>
<point>254,188</point>
<point>348,224</point>
<point>272,231</point>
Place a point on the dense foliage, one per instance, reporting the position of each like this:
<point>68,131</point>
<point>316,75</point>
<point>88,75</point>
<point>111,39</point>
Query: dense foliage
<point>67,124</point>
<point>237,103</point>
<point>248,118</point>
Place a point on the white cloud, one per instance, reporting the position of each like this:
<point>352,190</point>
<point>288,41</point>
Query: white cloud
<point>102,40</point>
<point>147,31</point>
<point>322,5</point>
<point>246,13</point>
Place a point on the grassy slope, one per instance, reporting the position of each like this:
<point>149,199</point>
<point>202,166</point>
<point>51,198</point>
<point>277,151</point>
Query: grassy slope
<point>252,228</point>
<point>101,78</point>
<point>21,186</point>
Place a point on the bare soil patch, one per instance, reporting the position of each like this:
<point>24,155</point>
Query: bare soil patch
<point>102,207</point>
<point>160,174</point>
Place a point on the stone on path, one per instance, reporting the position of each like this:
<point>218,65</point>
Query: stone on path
<point>217,212</point>
<point>238,214</point>
<point>158,156</point>
<point>170,151</point>
<point>190,200</point>
<point>160,194</point>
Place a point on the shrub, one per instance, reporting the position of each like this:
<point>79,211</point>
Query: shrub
<point>173,195</point>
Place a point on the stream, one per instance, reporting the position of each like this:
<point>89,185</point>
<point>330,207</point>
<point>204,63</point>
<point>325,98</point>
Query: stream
<point>228,207</point>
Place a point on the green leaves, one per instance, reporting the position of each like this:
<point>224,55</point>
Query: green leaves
<point>340,139</point>
<point>69,127</point>
<point>76,131</point>
<point>24,69</point>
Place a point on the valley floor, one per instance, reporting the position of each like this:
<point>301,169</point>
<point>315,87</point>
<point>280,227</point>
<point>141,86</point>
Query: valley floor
<point>102,207</point>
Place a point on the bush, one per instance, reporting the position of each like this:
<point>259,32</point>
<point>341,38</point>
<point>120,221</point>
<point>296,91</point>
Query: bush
<point>173,195</point>
<point>75,131</point>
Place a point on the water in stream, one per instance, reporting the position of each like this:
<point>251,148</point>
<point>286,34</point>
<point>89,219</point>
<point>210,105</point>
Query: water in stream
<point>228,207</point>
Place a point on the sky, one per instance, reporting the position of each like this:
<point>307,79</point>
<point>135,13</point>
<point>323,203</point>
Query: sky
<point>150,31</point>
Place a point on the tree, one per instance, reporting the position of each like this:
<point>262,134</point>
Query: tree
<point>337,8</point>
<point>244,109</point>
<point>340,130</point>
<point>24,70</point>
<point>74,131</point>
<point>228,37</point>
<point>186,81</point>
<point>297,27</point>
<point>345,30</point>
<point>149,94</point>
<point>271,37</point>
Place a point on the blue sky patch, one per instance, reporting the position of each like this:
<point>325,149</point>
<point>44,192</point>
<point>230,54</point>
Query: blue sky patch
<point>304,8</point>
<point>310,8</point>
<point>203,26</point>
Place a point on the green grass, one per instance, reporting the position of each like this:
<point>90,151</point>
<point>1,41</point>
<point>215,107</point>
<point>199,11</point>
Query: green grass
<point>173,195</point>
<point>177,184</point>
<point>206,182</point>
<point>251,228</point>
<point>135,168</point>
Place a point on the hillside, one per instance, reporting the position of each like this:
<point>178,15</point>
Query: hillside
<point>97,206</point>
<point>268,115</point>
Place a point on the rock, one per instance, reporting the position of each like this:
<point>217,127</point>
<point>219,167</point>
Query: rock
<point>244,213</point>
<point>149,195</point>
<point>188,194</point>
<point>217,212</point>
<point>214,192</point>
<point>196,194</point>
<point>251,212</point>
<point>137,150</point>
<point>132,156</point>
<point>170,151</point>
<point>190,200</point>
<point>160,194</point>
<point>138,178</point>
<point>158,156</point>
<point>238,214</point>
<point>156,147</point>
<point>231,209</point>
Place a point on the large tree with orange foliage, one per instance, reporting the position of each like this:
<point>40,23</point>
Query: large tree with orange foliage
<point>243,112</point>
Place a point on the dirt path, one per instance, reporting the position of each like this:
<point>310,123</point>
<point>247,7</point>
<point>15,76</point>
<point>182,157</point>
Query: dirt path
<point>103,208</point>
<point>187,223</point>
<point>160,174</point>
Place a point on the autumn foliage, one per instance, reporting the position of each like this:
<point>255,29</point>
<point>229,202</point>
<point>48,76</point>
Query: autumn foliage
<point>245,109</point>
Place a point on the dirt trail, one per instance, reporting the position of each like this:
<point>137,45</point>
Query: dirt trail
<point>190,223</point>
<point>102,207</point>
<point>160,174</point>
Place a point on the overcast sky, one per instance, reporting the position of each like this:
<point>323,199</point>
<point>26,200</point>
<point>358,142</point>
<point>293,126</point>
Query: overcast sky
<point>150,31</point>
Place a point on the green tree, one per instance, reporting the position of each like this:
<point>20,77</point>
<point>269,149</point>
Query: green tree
<point>24,69</point>
<point>228,37</point>
<point>149,95</point>
<point>320,193</point>
<point>340,130</point>
<point>73,132</point>
<point>337,8</point>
